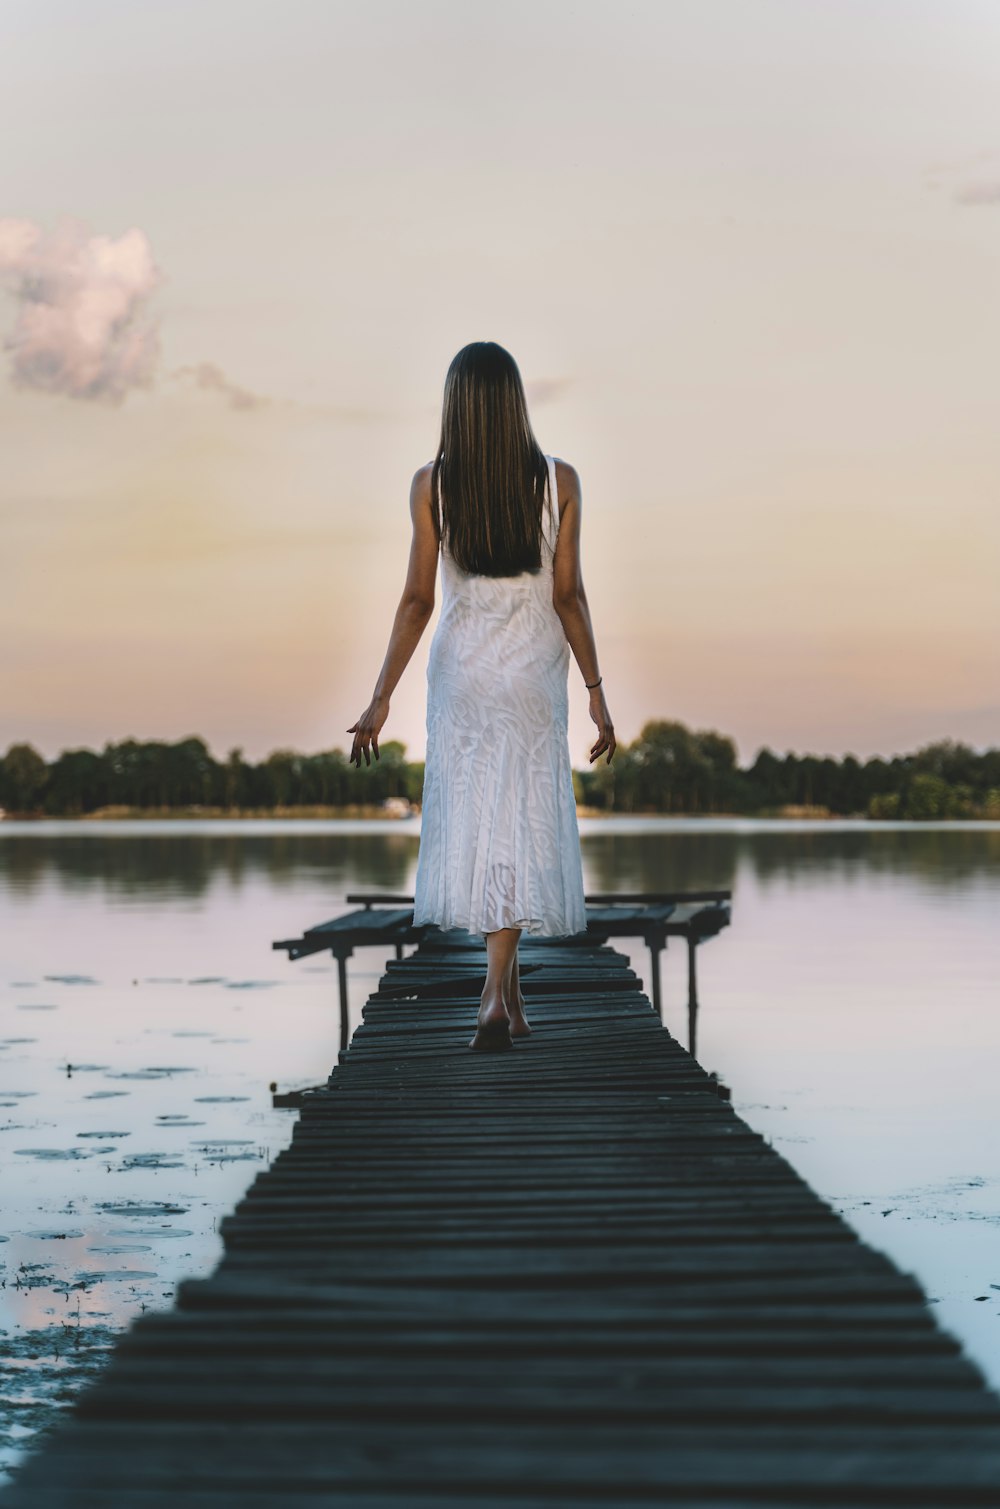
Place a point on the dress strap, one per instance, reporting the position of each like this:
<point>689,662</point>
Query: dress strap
<point>438,506</point>
<point>552,513</point>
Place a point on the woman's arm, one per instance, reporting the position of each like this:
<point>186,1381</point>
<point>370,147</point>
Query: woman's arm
<point>412,617</point>
<point>570,602</point>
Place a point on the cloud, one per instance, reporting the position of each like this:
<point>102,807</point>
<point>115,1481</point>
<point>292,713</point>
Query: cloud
<point>82,327</point>
<point>208,375</point>
<point>973,179</point>
<point>541,390</point>
<point>979,193</point>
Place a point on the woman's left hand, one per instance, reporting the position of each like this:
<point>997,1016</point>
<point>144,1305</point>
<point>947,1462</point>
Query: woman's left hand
<point>366,730</point>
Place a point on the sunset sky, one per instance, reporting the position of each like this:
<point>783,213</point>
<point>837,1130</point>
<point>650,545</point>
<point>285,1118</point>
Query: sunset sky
<point>745,252</point>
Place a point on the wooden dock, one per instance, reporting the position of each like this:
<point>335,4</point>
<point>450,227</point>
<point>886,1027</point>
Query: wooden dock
<point>380,920</point>
<point>568,1274</point>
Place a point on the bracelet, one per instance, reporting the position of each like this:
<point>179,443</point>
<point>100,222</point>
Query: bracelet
<point>590,687</point>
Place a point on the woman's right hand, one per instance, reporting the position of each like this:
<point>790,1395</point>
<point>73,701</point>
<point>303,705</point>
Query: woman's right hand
<point>366,731</point>
<point>605,727</point>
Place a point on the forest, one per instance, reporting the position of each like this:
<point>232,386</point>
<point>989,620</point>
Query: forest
<point>668,769</point>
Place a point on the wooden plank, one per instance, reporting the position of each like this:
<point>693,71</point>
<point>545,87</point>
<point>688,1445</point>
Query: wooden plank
<point>219,1497</point>
<point>904,1465</point>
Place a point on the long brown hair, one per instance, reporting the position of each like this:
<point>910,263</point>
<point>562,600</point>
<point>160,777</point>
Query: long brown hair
<point>489,478</point>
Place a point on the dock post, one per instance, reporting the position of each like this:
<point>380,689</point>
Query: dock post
<point>692,944</point>
<point>655,948</point>
<point>342,956</point>
<point>657,942</point>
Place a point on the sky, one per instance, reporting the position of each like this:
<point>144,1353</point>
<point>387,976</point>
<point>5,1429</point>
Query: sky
<point>746,254</point>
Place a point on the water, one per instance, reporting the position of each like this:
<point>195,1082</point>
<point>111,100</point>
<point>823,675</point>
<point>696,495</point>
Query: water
<point>851,1008</point>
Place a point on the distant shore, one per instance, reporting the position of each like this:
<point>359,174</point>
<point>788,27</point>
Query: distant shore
<point>166,814</point>
<point>669,771</point>
<point>372,810</point>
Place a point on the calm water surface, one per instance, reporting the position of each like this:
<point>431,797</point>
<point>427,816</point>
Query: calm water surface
<point>852,1008</point>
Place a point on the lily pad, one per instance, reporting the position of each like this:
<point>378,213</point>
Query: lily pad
<point>50,1154</point>
<point>101,1276</point>
<point>152,1160</point>
<point>128,1247</point>
<point>159,1232</point>
<point>152,1073</point>
<point>149,1208</point>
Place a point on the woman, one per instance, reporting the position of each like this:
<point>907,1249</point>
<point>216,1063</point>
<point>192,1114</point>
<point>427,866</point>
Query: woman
<point>499,843</point>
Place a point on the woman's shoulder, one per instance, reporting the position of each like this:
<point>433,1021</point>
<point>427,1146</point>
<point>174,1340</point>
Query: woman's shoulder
<point>567,483</point>
<point>421,486</point>
<point>422,497</point>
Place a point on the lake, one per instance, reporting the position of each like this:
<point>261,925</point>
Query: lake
<point>852,1008</point>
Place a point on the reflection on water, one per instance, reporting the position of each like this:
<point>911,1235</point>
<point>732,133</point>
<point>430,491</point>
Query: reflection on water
<point>171,859</point>
<point>647,854</point>
<point>709,855</point>
<point>851,1007</point>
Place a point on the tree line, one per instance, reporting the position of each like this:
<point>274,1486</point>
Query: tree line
<point>669,768</point>
<point>673,769</point>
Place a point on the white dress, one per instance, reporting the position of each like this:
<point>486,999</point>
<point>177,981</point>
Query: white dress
<point>499,842</point>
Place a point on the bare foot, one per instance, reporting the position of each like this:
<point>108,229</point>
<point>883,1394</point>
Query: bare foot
<point>492,1025</point>
<point>518,1021</point>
